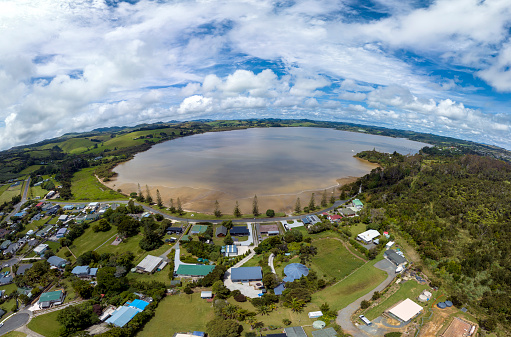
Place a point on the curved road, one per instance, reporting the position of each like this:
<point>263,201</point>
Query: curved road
<point>23,200</point>
<point>344,315</point>
<point>14,322</point>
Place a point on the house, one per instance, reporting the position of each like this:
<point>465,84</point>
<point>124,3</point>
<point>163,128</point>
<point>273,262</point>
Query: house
<point>279,289</point>
<point>43,232</point>
<point>80,219</point>
<point>22,268</point>
<point>405,310</point>
<point>239,231</point>
<point>40,204</point>
<point>310,219</point>
<point>149,264</point>
<point>68,208</point>
<point>61,233</point>
<point>84,271</point>
<point>5,244</point>
<point>56,261</point>
<point>246,274</point>
<point>206,294</point>
<point>347,212</point>
<point>198,229</point>
<point>5,279</point>
<point>92,217</point>
<point>368,236</point>
<point>269,230</point>
<point>13,248</point>
<point>122,315</point>
<point>328,332</point>
<point>334,217</point>
<point>25,291</point>
<point>194,270</point>
<point>39,250</point>
<point>221,231</point>
<point>397,259</point>
<point>174,230</point>
<point>357,204</point>
<point>51,298</point>
<point>63,217</point>
<point>296,331</point>
<point>229,250</point>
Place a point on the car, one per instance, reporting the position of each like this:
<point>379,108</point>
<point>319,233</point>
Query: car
<point>1,324</point>
<point>365,320</point>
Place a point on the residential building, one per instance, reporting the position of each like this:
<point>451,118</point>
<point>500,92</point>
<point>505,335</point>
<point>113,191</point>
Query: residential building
<point>229,250</point>
<point>174,230</point>
<point>84,271</point>
<point>51,298</point>
<point>61,233</point>
<point>221,231</point>
<point>246,274</point>
<point>368,236</point>
<point>194,270</point>
<point>239,231</point>
<point>149,264</point>
<point>56,261</point>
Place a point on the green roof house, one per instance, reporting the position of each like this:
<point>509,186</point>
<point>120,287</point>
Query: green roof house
<point>194,270</point>
<point>51,298</point>
<point>198,229</point>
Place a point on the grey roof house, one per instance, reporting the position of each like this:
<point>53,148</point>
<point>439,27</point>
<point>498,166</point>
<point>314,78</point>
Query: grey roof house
<point>246,274</point>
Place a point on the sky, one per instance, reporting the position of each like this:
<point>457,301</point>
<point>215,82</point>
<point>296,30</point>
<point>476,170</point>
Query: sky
<point>441,67</point>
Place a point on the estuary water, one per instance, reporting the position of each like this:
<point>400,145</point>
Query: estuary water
<point>276,164</point>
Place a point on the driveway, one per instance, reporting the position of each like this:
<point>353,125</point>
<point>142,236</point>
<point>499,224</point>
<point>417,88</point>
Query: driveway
<point>344,315</point>
<point>250,239</point>
<point>177,260</point>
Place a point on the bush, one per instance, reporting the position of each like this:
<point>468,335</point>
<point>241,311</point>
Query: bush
<point>365,304</point>
<point>67,253</point>
<point>393,334</point>
<point>286,321</point>
<point>240,298</point>
<point>270,213</point>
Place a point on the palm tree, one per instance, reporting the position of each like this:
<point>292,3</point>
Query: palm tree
<point>263,310</point>
<point>296,305</point>
<point>251,320</point>
<point>230,311</point>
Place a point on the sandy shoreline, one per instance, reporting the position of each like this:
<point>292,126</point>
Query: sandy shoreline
<point>203,200</point>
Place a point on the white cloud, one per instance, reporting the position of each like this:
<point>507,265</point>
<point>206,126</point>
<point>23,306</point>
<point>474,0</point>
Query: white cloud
<point>195,103</point>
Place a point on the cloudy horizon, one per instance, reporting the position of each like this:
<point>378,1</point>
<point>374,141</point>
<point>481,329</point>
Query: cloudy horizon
<point>440,67</point>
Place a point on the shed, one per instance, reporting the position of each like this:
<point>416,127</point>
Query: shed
<point>57,261</point>
<point>239,231</point>
<point>296,331</point>
<point>315,314</point>
<point>206,294</point>
<point>246,274</point>
<point>221,231</point>
<point>198,229</point>
<point>149,264</point>
<point>229,250</point>
<point>405,310</point>
<point>194,270</point>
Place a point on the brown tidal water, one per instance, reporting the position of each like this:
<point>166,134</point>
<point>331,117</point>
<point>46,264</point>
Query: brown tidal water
<point>277,164</point>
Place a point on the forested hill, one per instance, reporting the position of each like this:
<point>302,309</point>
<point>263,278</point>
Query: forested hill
<point>457,212</point>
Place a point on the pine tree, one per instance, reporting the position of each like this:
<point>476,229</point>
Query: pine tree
<point>237,212</point>
<point>255,206</point>
<point>323,199</point>
<point>158,199</point>
<point>179,207</point>
<point>218,213</point>
<point>312,204</point>
<point>140,197</point>
<point>148,196</point>
<point>332,199</point>
<point>172,208</point>
<point>298,206</point>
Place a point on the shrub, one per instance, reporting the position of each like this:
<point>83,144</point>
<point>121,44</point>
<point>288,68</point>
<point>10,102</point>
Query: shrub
<point>365,304</point>
<point>240,298</point>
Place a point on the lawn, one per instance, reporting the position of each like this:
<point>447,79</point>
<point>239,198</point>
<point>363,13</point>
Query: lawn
<point>85,186</point>
<point>46,324</point>
<point>179,313</point>
<point>89,240</point>
<point>333,259</point>
<point>15,334</point>
<point>8,305</point>
<point>159,276</point>
<point>410,289</point>
<point>131,245</point>
<point>362,281</point>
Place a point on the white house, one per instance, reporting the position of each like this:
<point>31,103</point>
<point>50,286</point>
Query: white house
<point>368,236</point>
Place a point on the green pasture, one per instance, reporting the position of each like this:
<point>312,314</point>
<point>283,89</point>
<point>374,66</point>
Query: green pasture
<point>46,324</point>
<point>85,187</point>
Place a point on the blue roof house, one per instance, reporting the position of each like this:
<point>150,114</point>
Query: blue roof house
<point>246,274</point>
<point>122,316</point>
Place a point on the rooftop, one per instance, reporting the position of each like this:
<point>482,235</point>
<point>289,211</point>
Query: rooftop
<point>246,273</point>
<point>150,263</point>
<point>52,296</point>
<point>194,269</point>
<point>406,310</point>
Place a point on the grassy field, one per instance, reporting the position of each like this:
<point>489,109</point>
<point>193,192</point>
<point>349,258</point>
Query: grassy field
<point>85,186</point>
<point>179,313</point>
<point>15,334</point>
<point>89,240</point>
<point>159,276</point>
<point>131,245</point>
<point>7,192</point>
<point>409,289</point>
<point>46,324</point>
<point>8,305</point>
<point>365,279</point>
<point>333,259</point>
<point>30,169</point>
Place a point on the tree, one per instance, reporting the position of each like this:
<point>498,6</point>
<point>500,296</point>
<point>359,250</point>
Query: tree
<point>172,208</point>
<point>270,213</point>
<point>220,327</point>
<point>102,226</point>
<point>332,199</point>
<point>228,240</point>
<point>179,208</point>
<point>255,207</point>
<point>230,310</point>
<point>298,207</point>
<point>270,280</point>
<point>323,199</point>
<point>296,305</point>
<point>365,304</point>
<point>227,224</point>
<point>263,310</point>
<point>83,288</point>
<point>159,202</point>
<point>217,212</point>
<point>140,197</point>
<point>237,212</point>
<point>312,205</point>
<point>75,318</point>
<point>286,321</point>
<point>151,240</point>
<point>148,197</point>
<point>220,290</point>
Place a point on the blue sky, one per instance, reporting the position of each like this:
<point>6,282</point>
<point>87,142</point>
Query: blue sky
<point>442,67</point>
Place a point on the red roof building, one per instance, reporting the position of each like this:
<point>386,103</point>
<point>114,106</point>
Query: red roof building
<point>334,217</point>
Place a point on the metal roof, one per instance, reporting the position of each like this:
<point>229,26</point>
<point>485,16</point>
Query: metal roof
<point>279,289</point>
<point>81,270</point>
<point>246,273</point>
<point>194,269</point>
<point>150,263</point>
<point>394,257</point>
<point>294,271</point>
<point>406,310</point>
<point>197,229</point>
<point>328,332</point>
<point>230,249</point>
<point>52,296</point>
<point>122,316</point>
<point>56,261</point>
<point>239,230</point>
<point>221,230</point>
<point>139,304</point>
<point>296,331</point>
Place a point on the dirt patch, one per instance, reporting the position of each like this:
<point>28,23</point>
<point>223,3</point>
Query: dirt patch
<point>439,318</point>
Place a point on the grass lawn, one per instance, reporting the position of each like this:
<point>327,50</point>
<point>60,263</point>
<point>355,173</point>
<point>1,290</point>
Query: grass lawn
<point>89,240</point>
<point>15,334</point>
<point>159,276</point>
<point>8,305</point>
<point>8,192</point>
<point>253,262</point>
<point>333,259</point>
<point>30,169</point>
<point>410,289</point>
<point>179,313</point>
<point>85,186</point>
<point>357,229</point>
<point>53,245</point>
<point>46,324</point>
<point>132,245</point>
<point>70,292</point>
<point>338,296</point>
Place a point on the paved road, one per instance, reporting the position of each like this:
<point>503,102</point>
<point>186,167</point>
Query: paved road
<point>344,315</point>
<point>14,322</point>
<point>23,200</point>
<point>270,263</point>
